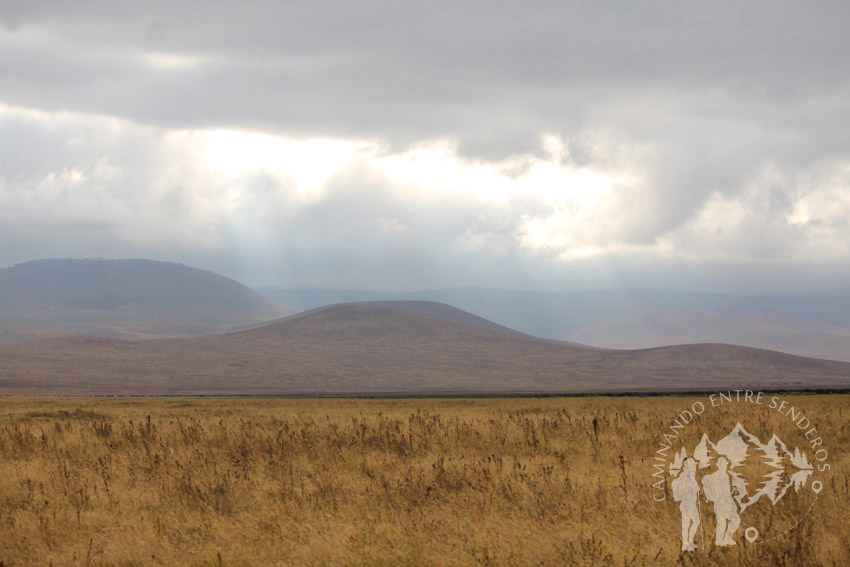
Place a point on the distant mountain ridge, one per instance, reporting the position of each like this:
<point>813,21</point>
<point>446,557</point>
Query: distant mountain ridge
<point>123,299</point>
<point>813,324</point>
<point>363,349</point>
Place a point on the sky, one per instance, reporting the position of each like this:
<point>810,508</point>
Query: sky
<point>409,145</point>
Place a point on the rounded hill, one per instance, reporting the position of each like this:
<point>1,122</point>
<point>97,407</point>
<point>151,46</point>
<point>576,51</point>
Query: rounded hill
<point>124,298</point>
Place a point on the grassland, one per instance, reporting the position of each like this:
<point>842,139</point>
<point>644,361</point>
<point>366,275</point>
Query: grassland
<point>238,482</point>
<point>356,348</point>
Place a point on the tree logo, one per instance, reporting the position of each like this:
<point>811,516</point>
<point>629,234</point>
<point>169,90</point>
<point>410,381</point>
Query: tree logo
<point>736,484</point>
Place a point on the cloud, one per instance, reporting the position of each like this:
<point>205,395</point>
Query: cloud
<point>274,210</point>
<point>99,178</point>
<point>490,76</point>
<point>382,144</point>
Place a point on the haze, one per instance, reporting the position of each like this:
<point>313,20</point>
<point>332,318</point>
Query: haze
<point>398,146</point>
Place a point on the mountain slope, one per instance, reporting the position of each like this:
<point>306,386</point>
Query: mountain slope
<point>807,324</point>
<point>786,333</point>
<point>429,308</point>
<point>123,298</point>
<point>355,348</point>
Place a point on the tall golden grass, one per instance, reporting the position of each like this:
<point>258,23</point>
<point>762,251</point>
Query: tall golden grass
<point>264,482</point>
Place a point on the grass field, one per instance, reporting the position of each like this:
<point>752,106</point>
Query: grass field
<point>205,481</point>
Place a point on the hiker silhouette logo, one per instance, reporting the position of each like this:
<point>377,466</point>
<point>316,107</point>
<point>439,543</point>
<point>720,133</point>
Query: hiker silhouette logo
<point>728,490</point>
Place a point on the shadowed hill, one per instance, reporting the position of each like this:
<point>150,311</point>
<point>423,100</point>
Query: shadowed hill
<point>123,298</point>
<point>355,348</point>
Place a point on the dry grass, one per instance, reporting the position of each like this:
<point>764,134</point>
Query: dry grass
<point>366,482</point>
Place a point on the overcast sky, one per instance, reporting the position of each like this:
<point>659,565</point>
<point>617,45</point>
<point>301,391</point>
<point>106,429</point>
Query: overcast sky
<point>410,145</point>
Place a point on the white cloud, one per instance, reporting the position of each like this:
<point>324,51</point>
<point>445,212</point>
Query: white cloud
<point>170,61</point>
<point>93,177</point>
<point>822,210</point>
<point>780,215</point>
<point>280,202</point>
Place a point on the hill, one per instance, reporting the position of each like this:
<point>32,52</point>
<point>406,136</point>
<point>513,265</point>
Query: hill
<point>124,299</point>
<point>815,324</point>
<point>362,349</point>
<point>430,308</point>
